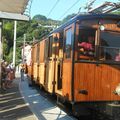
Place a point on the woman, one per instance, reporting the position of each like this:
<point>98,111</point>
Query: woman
<point>3,75</point>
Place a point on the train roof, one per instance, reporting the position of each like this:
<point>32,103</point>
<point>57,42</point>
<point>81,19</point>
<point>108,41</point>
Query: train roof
<point>87,17</point>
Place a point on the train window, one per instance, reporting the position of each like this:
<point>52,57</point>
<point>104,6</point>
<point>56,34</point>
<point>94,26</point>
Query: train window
<point>50,46</point>
<point>61,40</point>
<point>61,45</point>
<point>54,46</point>
<point>35,52</point>
<point>86,44</point>
<point>46,49</point>
<point>109,46</point>
<point>68,44</point>
<point>38,52</point>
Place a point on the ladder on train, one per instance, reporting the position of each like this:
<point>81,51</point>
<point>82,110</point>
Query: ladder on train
<point>107,7</point>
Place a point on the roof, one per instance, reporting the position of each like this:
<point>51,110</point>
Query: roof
<point>87,17</point>
<point>13,6</point>
<point>13,9</point>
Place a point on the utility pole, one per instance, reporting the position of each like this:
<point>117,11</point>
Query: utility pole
<point>24,48</point>
<point>14,46</point>
<point>1,53</point>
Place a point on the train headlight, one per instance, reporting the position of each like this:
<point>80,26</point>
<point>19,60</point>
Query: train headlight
<point>117,90</point>
<point>102,27</point>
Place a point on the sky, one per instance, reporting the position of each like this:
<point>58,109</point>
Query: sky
<point>61,7</point>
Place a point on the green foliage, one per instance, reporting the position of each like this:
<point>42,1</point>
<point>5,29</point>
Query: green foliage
<point>5,47</point>
<point>39,17</point>
<point>36,28</point>
<point>9,56</point>
<point>8,33</point>
<point>7,39</point>
<point>117,12</point>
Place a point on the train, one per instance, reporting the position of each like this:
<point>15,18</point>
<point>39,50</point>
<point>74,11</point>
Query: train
<point>79,62</point>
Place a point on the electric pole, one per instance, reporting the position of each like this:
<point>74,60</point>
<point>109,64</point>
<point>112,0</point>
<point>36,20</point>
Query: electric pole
<point>24,48</point>
<point>1,53</point>
<point>14,46</point>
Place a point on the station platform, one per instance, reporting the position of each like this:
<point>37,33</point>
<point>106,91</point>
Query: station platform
<point>13,106</point>
<point>22,102</point>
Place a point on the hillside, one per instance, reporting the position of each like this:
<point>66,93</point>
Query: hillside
<point>38,27</point>
<point>35,29</point>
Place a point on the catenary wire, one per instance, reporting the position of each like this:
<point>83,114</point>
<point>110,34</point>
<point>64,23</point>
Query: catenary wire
<point>53,8</point>
<point>69,9</point>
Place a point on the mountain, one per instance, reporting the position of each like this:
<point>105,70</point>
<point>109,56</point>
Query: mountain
<point>39,17</point>
<point>38,27</point>
<point>45,21</point>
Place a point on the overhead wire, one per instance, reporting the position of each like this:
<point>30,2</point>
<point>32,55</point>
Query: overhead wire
<point>53,8</point>
<point>65,11</point>
<point>49,14</point>
<point>69,9</point>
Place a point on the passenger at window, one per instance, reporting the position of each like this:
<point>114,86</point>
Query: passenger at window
<point>117,58</point>
<point>87,47</point>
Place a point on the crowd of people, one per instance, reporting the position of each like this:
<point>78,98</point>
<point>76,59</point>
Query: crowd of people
<point>7,75</point>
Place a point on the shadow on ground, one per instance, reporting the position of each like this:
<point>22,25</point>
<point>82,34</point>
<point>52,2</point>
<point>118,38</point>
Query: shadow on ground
<point>12,105</point>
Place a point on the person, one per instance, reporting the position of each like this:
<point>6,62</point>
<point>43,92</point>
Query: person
<point>10,77</point>
<point>3,75</point>
<point>87,47</point>
<point>22,72</point>
<point>117,58</point>
<point>12,70</point>
<point>25,68</point>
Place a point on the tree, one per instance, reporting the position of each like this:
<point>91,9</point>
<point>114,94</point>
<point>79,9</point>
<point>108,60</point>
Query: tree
<point>36,28</point>
<point>39,17</point>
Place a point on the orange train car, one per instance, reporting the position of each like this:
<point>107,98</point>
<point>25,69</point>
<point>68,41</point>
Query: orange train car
<point>80,62</point>
<point>32,67</point>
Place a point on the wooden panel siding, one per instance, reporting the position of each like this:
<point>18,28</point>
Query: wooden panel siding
<point>84,80</point>
<point>100,82</point>
<point>35,75</point>
<point>30,70</point>
<point>35,53</point>
<point>108,24</point>
<point>66,82</point>
<point>41,73</point>
<point>112,27</point>
<point>49,76</point>
<point>42,46</point>
<point>58,91</point>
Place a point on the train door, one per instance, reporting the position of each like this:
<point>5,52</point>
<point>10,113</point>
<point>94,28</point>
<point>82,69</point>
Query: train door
<point>37,59</point>
<point>50,65</point>
<point>59,64</point>
<point>67,62</point>
<point>41,73</point>
<point>46,70</point>
<point>31,66</point>
<point>84,67</point>
<point>35,64</point>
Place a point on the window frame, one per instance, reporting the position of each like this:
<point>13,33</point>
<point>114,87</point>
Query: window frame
<point>87,58</point>
<point>107,47</point>
<point>69,28</point>
<point>50,43</point>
